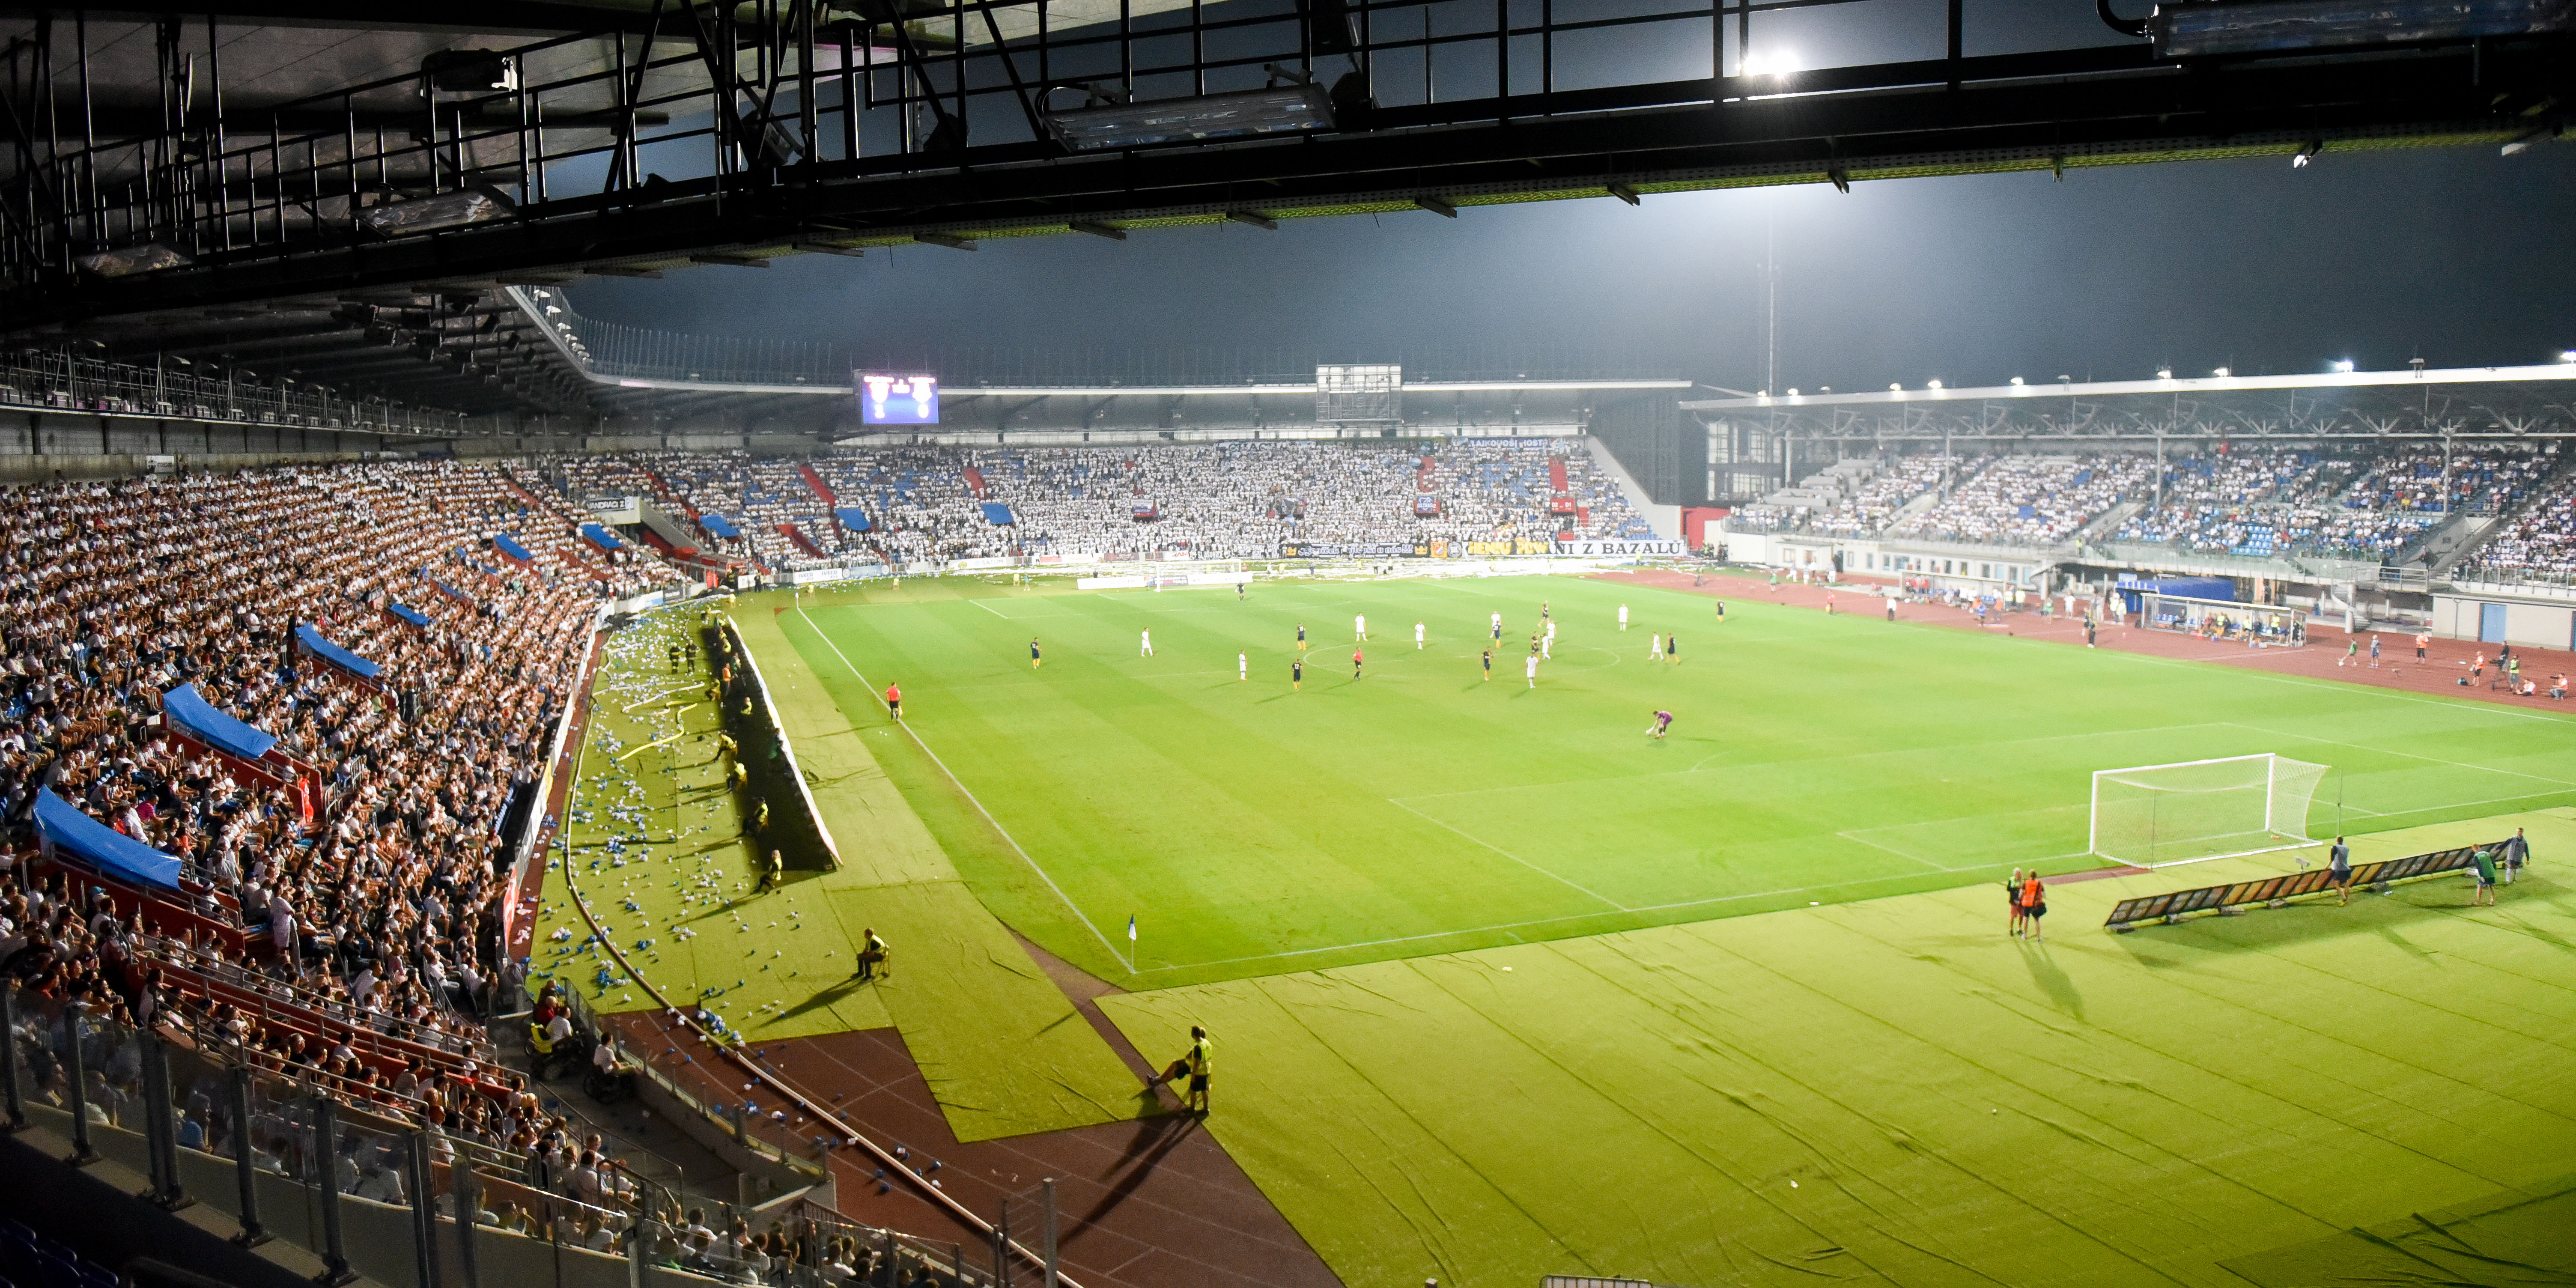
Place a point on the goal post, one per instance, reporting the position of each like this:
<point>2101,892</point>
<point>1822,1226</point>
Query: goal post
<point>2154,815</point>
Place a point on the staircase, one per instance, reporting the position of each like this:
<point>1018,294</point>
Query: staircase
<point>799,539</point>
<point>822,490</point>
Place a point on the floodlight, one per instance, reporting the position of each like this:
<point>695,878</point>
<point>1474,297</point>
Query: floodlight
<point>1934,385</point>
<point>150,257</point>
<point>1895,388</point>
<point>1292,108</point>
<point>2568,356</point>
<point>475,205</point>
<point>1793,393</point>
<point>2016,382</point>
<point>2164,373</point>
<point>2343,364</point>
<point>2221,373</point>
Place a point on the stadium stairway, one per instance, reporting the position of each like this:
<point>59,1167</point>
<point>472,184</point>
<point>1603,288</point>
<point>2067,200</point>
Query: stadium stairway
<point>802,542</point>
<point>822,490</point>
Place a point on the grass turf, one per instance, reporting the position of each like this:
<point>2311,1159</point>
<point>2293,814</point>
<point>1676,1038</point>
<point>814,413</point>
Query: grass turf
<point>1251,829</point>
<point>1891,1091</point>
<point>1001,1048</point>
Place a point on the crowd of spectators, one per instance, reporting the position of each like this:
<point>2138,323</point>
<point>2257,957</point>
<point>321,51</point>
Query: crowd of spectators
<point>1236,500</point>
<point>2538,545</point>
<point>2033,500</point>
<point>361,861</point>
<point>2483,478</point>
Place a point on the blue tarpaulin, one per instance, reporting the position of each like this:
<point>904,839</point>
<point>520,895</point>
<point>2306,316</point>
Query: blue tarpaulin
<point>718,526</point>
<point>600,537</point>
<point>852,518</point>
<point>452,593</point>
<point>513,549</point>
<point>311,641</point>
<point>996,513</point>
<point>411,615</point>
<point>190,713</point>
<point>69,831</point>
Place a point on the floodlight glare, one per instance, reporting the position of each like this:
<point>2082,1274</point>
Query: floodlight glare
<point>1278,109</point>
<point>2164,373</point>
<point>1768,63</point>
<point>2568,356</point>
<point>1934,385</point>
<point>2016,382</point>
<point>2221,373</point>
<point>1793,393</point>
<point>1894,387</point>
<point>2343,364</point>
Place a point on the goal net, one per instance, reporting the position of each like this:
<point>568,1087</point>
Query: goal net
<point>2151,815</point>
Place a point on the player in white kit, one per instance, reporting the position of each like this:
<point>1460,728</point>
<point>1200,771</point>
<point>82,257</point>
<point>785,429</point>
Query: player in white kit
<point>1623,617</point>
<point>1655,647</point>
<point>1530,669</point>
<point>1417,634</point>
<point>1145,643</point>
<point>1242,667</point>
<point>1359,627</point>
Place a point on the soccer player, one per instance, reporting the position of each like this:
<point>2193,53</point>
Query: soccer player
<point>1498,626</point>
<point>1531,670</point>
<point>2090,626</point>
<point>1145,643</point>
<point>1663,722</point>
<point>1623,617</point>
<point>1297,674</point>
<point>1551,632</point>
<point>1242,666</point>
<point>1673,649</point>
<point>1547,646</point>
<point>1417,636</point>
<point>1238,592</point>
<point>1301,637</point>
<point>1891,605</point>
<point>1542,610</point>
<point>1359,628</point>
<point>894,702</point>
<point>1355,664</point>
<point>1489,664</point>
<point>1655,647</point>
<point>1721,612</point>
<point>1036,659</point>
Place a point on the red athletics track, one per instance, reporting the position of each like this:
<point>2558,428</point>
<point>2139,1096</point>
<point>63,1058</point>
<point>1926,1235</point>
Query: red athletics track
<point>2446,661</point>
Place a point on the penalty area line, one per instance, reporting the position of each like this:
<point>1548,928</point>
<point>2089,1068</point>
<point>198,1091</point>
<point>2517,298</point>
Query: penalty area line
<point>1509,855</point>
<point>971,799</point>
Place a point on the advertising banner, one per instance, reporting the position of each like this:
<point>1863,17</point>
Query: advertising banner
<point>1614,549</point>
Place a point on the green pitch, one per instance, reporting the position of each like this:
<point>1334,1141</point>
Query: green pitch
<point>1252,829</point>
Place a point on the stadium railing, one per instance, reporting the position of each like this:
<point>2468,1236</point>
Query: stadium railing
<point>2169,908</point>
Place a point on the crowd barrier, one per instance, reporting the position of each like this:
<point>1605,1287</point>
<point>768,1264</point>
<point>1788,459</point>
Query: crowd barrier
<point>796,831</point>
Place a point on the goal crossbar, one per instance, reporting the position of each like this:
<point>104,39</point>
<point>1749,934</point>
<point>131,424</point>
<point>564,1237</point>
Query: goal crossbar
<point>2187,810</point>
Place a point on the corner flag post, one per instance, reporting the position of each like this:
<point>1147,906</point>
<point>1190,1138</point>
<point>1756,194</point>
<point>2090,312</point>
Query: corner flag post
<point>1131,943</point>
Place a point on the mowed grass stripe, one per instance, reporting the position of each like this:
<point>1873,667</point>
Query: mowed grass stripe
<point>1422,808</point>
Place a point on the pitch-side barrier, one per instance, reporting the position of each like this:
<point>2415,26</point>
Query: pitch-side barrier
<point>2129,914</point>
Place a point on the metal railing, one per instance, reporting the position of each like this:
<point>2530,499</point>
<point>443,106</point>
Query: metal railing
<point>59,379</point>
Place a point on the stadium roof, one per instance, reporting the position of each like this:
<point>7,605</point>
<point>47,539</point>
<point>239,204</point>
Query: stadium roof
<point>2536,400</point>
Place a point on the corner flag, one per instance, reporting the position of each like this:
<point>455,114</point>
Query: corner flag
<point>1131,927</point>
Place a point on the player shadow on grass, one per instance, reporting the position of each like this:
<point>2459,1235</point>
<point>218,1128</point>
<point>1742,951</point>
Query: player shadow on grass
<point>2051,979</point>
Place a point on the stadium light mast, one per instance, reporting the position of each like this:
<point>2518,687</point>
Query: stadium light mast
<point>1771,292</point>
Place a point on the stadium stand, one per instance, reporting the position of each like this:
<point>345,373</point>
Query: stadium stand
<point>2032,500</point>
<point>2537,545</point>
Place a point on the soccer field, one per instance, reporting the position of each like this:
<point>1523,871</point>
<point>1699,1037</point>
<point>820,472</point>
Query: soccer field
<point>1251,829</point>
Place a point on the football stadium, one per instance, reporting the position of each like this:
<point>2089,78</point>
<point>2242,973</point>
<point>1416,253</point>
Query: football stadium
<point>1248,645</point>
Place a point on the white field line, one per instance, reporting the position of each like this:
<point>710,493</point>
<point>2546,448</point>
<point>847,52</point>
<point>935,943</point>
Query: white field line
<point>1509,855</point>
<point>978,804</point>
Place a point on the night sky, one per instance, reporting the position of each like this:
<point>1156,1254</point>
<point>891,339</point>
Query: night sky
<point>2462,256</point>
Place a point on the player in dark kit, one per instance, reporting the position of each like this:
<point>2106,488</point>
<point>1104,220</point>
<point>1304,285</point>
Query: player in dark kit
<point>1297,673</point>
<point>1489,664</point>
<point>1301,637</point>
<point>1035,660</point>
<point>1355,664</point>
<point>1663,722</point>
